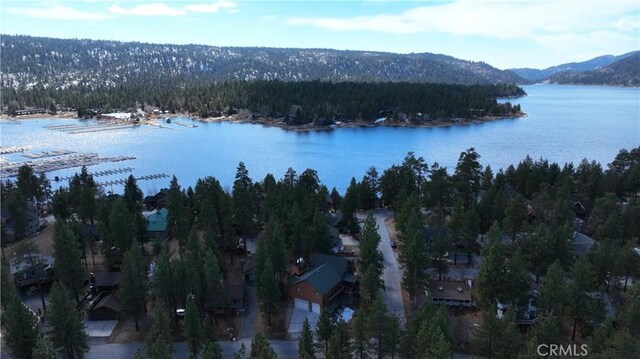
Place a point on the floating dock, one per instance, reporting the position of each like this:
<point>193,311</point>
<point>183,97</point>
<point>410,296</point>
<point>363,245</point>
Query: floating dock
<point>99,126</point>
<point>13,149</point>
<point>44,154</point>
<point>190,125</point>
<point>141,178</point>
<point>103,173</point>
<point>59,163</point>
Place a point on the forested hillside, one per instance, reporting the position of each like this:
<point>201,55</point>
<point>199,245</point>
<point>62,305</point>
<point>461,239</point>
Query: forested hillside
<point>625,72</point>
<point>30,61</point>
<point>537,75</point>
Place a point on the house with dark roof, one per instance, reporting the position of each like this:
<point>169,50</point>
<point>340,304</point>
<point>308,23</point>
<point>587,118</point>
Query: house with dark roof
<point>157,224</point>
<point>107,307</point>
<point>326,283</point>
<point>30,269</point>
<point>451,293</point>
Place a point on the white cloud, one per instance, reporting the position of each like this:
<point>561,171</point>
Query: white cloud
<point>154,9</point>
<point>213,7</point>
<point>496,19</point>
<point>56,12</point>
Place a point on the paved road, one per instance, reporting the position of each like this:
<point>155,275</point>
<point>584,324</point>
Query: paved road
<point>284,349</point>
<point>248,328</point>
<point>392,274</point>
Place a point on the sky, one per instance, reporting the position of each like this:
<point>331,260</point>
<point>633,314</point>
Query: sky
<point>504,34</point>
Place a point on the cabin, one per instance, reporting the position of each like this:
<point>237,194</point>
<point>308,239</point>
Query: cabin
<point>157,201</point>
<point>451,293</point>
<point>157,224</point>
<point>327,283</point>
<point>32,268</point>
<point>581,244</point>
<point>107,307</point>
<point>337,221</point>
<point>105,282</point>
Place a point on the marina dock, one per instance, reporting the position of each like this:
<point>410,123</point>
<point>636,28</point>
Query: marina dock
<point>141,178</point>
<point>13,149</point>
<point>99,126</point>
<point>10,169</point>
<point>103,173</point>
<point>44,154</point>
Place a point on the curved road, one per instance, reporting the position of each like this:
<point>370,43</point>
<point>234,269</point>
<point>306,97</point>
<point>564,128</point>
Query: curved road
<point>392,274</point>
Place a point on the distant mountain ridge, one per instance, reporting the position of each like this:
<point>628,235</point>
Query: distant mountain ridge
<point>61,63</point>
<point>537,75</point>
<point>625,72</point>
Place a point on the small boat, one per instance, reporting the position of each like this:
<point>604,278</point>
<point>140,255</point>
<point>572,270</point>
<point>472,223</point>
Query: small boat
<point>167,120</point>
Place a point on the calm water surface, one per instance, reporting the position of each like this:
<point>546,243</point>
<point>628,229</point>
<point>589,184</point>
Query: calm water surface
<point>564,124</point>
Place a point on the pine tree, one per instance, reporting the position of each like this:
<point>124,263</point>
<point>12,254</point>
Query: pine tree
<point>67,328</point>
<point>68,257</point>
<point>324,329</point>
<point>334,349</point>
<point>371,259</point>
<point>20,328</point>
<point>212,350</point>
<point>553,291</point>
<point>261,349</point>
<point>27,252</point>
<point>412,254</point>
<point>245,203</point>
<point>192,327</point>
<point>305,343</point>
<point>44,349</point>
<point>158,344</point>
<point>131,286</point>
<point>268,291</point>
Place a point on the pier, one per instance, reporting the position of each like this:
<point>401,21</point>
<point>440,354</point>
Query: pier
<point>44,154</point>
<point>59,163</point>
<point>100,126</point>
<point>13,149</point>
<point>141,178</point>
<point>190,125</point>
<point>103,173</point>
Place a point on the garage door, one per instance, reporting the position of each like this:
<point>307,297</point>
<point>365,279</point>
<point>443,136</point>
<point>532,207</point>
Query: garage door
<point>301,304</point>
<point>315,307</point>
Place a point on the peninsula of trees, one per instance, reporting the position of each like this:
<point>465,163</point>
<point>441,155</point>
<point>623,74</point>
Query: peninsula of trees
<point>295,102</point>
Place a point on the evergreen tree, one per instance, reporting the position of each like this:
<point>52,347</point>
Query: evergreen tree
<point>192,327</point>
<point>582,274</point>
<point>131,286</point>
<point>67,328</point>
<point>335,347</point>
<point>324,329</point>
<point>553,291</point>
<point>44,349</point>
<point>438,252</point>
<point>245,205</point>
<point>19,328</point>
<point>121,232</point>
<point>467,176</point>
<point>371,259</point>
<point>268,291</point>
<point>68,258</point>
<point>412,254</point>
<point>177,218</point>
<point>261,349</point>
<point>158,344</point>
<point>305,343</point>
<point>212,350</point>
<point>361,342</point>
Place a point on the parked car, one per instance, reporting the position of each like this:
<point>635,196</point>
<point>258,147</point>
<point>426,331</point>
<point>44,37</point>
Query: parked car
<point>393,244</point>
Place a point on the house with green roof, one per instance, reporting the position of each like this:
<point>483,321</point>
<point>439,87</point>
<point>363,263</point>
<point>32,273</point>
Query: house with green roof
<point>327,283</point>
<point>157,225</point>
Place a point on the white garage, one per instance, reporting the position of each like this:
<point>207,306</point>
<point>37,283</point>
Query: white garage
<point>315,307</point>
<point>301,304</point>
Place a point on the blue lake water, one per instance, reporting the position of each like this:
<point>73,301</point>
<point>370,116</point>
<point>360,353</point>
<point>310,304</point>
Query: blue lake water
<point>563,124</point>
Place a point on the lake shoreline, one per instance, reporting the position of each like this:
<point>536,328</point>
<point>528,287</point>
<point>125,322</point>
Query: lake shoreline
<point>270,122</point>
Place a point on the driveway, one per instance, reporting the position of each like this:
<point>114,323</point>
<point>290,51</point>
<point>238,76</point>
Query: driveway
<point>248,327</point>
<point>392,274</point>
<point>297,319</point>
